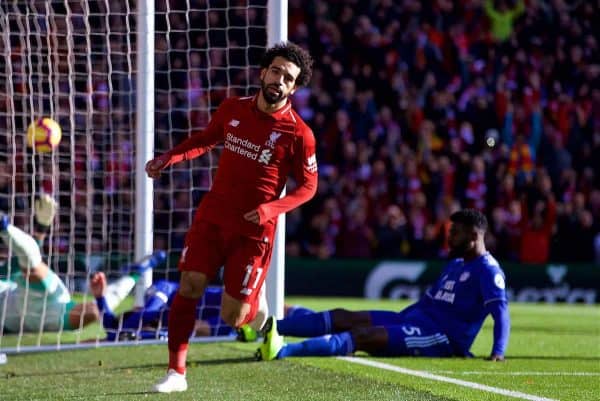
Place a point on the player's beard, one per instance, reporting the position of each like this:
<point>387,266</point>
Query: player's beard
<point>270,98</point>
<point>458,250</point>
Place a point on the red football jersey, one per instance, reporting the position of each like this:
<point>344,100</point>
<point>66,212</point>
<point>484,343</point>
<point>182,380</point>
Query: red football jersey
<point>260,151</point>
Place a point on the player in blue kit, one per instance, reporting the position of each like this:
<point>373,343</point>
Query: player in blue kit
<point>443,323</point>
<point>150,322</point>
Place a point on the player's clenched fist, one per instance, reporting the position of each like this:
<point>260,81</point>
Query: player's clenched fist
<point>155,166</point>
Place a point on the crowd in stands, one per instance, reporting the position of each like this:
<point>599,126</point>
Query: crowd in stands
<point>418,108</point>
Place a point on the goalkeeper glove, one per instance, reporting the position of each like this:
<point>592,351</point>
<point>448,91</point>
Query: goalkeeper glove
<point>45,210</point>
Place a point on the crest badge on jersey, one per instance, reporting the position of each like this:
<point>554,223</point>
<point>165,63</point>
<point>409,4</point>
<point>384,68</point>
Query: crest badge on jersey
<point>234,123</point>
<point>499,281</point>
<point>272,139</point>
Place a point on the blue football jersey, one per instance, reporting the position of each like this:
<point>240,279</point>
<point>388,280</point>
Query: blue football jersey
<point>457,300</point>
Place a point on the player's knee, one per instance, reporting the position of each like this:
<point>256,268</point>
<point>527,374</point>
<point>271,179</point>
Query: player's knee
<point>369,339</point>
<point>360,334</point>
<point>83,314</point>
<point>236,316</point>
<point>192,284</point>
<point>261,315</point>
<point>91,314</point>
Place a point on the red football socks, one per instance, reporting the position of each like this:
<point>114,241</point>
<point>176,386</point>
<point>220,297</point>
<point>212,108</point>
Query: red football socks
<point>182,317</point>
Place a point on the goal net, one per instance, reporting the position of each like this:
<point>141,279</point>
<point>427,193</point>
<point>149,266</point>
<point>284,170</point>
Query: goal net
<point>75,61</point>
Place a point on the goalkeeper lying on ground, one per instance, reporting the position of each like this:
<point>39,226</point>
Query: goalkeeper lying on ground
<point>32,296</point>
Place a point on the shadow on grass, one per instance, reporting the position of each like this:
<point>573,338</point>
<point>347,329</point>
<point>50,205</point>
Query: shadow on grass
<point>194,363</point>
<point>108,395</point>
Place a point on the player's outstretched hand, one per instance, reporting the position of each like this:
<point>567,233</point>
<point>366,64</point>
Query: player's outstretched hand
<point>45,209</point>
<point>155,166</point>
<point>495,358</point>
<point>98,284</point>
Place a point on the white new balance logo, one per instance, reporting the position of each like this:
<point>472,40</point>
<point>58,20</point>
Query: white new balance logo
<point>311,164</point>
<point>234,123</point>
<point>265,156</point>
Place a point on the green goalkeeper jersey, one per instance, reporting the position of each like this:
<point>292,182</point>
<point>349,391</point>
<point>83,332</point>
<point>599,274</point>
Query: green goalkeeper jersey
<point>38,305</point>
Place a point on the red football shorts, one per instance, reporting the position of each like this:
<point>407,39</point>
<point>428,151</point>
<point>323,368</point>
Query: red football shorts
<point>245,260</point>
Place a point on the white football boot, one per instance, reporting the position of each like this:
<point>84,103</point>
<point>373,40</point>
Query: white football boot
<point>171,383</point>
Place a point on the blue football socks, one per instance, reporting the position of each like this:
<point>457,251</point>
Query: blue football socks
<point>310,325</point>
<point>330,345</point>
<point>297,310</point>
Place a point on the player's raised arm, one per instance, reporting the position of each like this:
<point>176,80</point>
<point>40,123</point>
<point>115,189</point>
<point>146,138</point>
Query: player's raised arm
<point>194,146</point>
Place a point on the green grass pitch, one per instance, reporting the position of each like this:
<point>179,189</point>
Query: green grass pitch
<point>554,353</point>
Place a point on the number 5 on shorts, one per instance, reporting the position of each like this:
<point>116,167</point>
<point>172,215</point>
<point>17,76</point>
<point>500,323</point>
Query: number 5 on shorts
<point>411,330</point>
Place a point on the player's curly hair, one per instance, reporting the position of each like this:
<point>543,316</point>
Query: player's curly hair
<point>470,218</point>
<point>293,53</point>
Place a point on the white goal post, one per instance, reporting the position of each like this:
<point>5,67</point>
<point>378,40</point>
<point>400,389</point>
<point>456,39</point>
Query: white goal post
<point>104,69</point>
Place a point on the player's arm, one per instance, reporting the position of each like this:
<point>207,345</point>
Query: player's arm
<point>493,291</point>
<point>499,311</point>
<point>194,146</point>
<point>305,174</point>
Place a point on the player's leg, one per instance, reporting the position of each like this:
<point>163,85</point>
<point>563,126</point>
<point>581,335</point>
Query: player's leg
<point>201,257</point>
<point>262,311</point>
<point>6,288</point>
<point>416,338</point>
<point>181,321</point>
<point>413,338</point>
<point>296,310</point>
<point>244,274</point>
<point>208,319</point>
<point>182,316</point>
<point>25,248</point>
<point>409,332</point>
<point>81,315</point>
<point>274,347</point>
<point>249,332</point>
<point>363,331</point>
<point>119,289</point>
<point>320,323</point>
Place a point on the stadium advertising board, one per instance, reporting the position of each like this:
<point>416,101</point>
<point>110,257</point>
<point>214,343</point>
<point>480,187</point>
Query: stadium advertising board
<point>571,283</point>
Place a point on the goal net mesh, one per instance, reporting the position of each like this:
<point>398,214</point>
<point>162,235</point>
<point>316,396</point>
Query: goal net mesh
<point>75,61</point>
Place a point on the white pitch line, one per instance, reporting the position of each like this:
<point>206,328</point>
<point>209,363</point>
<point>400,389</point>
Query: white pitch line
<point>453,372</point>
<point>427,375</point>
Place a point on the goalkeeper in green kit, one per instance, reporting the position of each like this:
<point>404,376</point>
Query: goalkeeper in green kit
<point>32,296</point>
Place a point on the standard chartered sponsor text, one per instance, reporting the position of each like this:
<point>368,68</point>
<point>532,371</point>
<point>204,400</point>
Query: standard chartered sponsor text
<point>242,142</point>
<point>242,147</point>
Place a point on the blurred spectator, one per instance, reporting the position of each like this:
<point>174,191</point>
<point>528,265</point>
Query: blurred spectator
<point>502,17</point>
<point>439,112</point>
<point>538,216</point>
<point>392,234</point>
